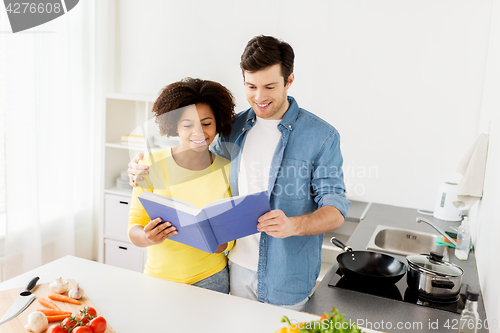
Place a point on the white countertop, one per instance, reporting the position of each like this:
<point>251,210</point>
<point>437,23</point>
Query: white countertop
<point>134,302</point>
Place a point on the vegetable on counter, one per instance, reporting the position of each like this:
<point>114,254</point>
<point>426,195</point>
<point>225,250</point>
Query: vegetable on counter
<point>62,298</point>
<point>52,319</point>
<point>98,325</point>
<point>49,304</point>
<point>59,286</point>
<point>52,312</point>
<point>333,323</point>
<point>76,292</point>
<point>37,322</point>
<point>87,321</point>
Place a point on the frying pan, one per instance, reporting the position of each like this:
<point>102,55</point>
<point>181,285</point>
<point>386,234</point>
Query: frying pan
<point>368,267</point>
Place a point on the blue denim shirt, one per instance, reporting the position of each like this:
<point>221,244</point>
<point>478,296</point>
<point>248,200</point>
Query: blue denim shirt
<point>306,174</point>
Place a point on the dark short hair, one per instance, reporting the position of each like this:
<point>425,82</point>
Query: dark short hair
<point>264,51</point>
<point>175,97</point>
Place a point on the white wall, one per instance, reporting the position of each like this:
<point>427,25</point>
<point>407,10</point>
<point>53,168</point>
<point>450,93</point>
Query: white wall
<point>400,80</point>
<point>486,220</point>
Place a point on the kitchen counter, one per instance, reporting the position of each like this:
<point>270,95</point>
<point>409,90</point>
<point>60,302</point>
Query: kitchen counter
<point>382,313</point>
<point>134,302</point>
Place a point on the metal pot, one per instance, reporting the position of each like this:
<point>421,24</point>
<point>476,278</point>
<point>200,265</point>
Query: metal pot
<point>431,277</point>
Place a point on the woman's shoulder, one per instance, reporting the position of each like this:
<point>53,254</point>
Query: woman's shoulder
<point>155,156</point>
<point>221,161</point>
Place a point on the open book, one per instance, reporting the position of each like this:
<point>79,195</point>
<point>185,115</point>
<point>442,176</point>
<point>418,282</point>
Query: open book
<point>214,224</point>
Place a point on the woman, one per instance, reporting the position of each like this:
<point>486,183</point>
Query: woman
<point>195,110</point>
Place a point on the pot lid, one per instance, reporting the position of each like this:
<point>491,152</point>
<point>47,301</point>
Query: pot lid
<point>434,263</point>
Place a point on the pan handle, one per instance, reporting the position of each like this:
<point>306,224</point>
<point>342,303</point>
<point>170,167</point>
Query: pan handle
<point>338,243</point>
<point>444,284</point>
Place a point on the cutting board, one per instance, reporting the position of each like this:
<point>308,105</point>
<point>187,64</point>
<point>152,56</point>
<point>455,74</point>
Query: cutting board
<point>17,324</point>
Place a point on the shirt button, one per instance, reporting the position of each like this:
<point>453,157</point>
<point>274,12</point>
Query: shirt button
<point>290,126</point>
<point>243,130</point>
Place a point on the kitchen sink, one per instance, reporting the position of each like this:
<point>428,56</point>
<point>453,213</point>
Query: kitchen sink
<point>403,241</point>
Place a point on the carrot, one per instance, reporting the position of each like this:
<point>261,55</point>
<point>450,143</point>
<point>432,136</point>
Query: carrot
<point>57,318</point>
<point>62,298</point>
<point>52,312</point>
<point>49,304</point>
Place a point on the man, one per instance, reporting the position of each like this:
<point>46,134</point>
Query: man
<point>295,155</point>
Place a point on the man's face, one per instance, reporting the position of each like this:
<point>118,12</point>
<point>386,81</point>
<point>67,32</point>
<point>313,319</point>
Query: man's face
<point>266,92</point>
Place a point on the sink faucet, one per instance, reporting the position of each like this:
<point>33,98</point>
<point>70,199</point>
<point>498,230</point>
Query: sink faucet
<point>419,219</point>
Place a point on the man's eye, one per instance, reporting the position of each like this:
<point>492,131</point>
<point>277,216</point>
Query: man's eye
<point>251,88</point>
<point>270,88</point>
<point>187,126</point>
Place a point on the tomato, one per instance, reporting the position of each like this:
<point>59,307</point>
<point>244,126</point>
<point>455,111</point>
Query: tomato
<point>83,319</point>
<point>98,325</point>
<point>82,329</point>
<point>86,315</point>
<point>323,317</point>
<point>56,329</point>
<point>69,322</point>
<point>90,310</point>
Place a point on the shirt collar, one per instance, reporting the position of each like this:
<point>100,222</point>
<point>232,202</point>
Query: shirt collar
<point>291,114</point>
<point>288,119</point>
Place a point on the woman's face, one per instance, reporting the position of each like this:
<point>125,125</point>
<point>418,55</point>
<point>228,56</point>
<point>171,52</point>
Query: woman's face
<point>196,127</point>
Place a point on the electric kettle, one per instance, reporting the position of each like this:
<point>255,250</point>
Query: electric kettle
<point>444,208</point>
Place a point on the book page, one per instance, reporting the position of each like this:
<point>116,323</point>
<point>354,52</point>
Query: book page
<point>171,202</point>
<point>238,217</point>
<point>222,201</point>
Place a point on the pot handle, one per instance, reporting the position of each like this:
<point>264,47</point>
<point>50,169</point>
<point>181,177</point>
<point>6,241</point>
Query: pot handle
<point>338,243</point>
<point>444,284</point>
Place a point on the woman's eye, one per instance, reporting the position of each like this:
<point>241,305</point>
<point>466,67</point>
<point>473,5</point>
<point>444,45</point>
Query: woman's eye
<point>207,124</point>
<point>188,126</point>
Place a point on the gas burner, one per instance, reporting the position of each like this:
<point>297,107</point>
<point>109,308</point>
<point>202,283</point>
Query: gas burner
<point>395,292</point>
<point>413,297</point>
<point>453,304</point>
<point>387,291</point>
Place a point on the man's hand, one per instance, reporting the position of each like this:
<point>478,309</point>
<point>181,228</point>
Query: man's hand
<point>275,223</point>
<point>135,169</point>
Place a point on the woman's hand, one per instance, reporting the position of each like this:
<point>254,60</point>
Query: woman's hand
<point>156,233</point>
<point>221,248</point>
<point>135,169</point>
<point>152,233</point>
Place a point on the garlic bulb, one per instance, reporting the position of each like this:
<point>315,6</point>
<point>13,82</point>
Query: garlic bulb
<point>76,292</point>
<point>37,322</point>
<point>59,286</point>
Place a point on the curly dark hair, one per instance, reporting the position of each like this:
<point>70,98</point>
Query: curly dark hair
<point>174,97</point>
<point>265,51</point>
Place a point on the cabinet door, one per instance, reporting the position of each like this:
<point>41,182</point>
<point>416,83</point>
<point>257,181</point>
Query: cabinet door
<point>124,255</point>
<point>116,217</point>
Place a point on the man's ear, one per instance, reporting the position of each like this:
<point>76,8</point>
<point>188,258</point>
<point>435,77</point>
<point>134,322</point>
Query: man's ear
<point>291,77</point>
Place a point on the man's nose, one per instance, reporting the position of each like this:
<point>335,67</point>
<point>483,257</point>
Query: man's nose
<point>259,95</point>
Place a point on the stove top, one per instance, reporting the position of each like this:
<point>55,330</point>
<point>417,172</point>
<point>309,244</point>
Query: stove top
<point>401,292</point>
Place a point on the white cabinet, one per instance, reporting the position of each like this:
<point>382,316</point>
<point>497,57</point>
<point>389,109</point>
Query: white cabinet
<point>124,115</point>
<point>124,255</point>
<point>116,217</point>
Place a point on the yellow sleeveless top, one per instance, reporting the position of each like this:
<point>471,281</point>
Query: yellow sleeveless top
<point>171,260</point>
